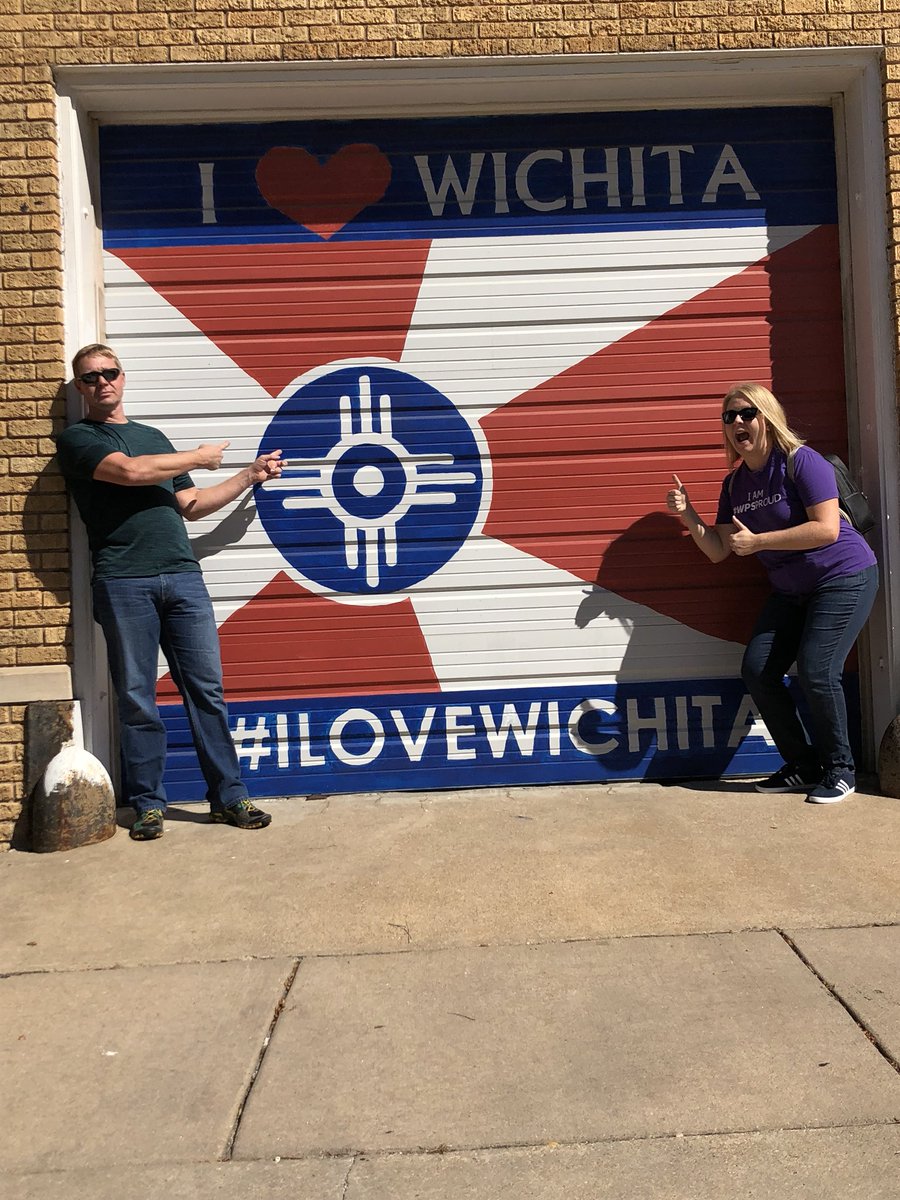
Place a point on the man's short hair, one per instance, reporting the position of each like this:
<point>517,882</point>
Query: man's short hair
<point>95,348</point>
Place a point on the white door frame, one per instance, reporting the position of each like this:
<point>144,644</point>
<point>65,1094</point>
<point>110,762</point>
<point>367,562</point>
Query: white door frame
<point>850,79</point>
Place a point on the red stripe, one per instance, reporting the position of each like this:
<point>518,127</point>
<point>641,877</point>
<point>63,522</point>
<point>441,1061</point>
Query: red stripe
<point>280,310</point>
<point>582,463</point>
<point>288,642</point>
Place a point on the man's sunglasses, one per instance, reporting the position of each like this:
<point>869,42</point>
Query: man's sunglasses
<point>110,374</point>
<point>746,414</point>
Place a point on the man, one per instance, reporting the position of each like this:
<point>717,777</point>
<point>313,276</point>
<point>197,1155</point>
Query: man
<point>134,492</point>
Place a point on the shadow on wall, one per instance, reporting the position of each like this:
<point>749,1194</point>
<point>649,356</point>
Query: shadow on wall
<point>229,530</point>
<point>42,586</point>
<point>45,525</point>
<point>654,556</point>
<point>654,562</point>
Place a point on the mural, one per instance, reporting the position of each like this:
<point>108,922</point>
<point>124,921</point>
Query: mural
<point>484,345</point>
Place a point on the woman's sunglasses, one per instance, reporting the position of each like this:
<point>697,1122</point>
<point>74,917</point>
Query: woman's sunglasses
<point>746,414</point>
<point>91,378</point>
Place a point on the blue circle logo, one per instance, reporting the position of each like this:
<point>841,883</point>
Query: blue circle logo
<point>383,483</point>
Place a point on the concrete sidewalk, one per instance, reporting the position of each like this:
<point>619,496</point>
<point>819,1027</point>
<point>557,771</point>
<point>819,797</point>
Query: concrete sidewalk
<point>625,991</point>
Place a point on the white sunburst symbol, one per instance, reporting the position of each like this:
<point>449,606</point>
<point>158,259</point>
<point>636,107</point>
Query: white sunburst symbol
<point>368,432</point>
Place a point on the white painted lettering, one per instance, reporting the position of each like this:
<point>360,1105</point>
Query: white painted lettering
<point>636,723</point>
<point>728,171</point>
<point>307,758</point>
<point>706,704</point>
<point>339,724</point>
<point>587,177</point>
<point>281,736</point>
<point>511,723</point>
<point>250,743</point>
<point>414,746</point>
<point>681,723</point>
<point>674,153</point>
<point>638,196</point>
<point>207,193</point>
<point>553,730</point>
<point>501,200</point>
<point>610,177</point>
<point>457,729</point>
<point>581,743</point>
<point>748,722</point>
<point>450,180</point>
<point>523,190</point>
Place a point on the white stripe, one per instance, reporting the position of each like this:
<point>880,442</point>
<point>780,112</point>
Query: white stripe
<point>495,317</point>
<point>536,625</point>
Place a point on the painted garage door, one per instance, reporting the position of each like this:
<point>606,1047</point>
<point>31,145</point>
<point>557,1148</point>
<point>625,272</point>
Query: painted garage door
<point>484,345</point>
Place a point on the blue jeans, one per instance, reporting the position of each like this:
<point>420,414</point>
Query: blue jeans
<point>174,612</point>
<point>817,632</point>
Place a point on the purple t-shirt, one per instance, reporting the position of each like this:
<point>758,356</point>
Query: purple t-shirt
<point>769,499</point>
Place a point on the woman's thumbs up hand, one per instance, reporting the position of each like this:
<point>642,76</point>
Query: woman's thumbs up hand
<point>677,499</point>
<point>742,541</point>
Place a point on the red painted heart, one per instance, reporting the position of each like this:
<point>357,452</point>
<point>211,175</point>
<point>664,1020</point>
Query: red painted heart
<point>323,196</point>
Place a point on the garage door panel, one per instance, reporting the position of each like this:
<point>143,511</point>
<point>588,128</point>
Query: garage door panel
<point>484,345</point>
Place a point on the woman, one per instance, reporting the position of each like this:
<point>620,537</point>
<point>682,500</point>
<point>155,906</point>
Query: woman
<point>824,578</point>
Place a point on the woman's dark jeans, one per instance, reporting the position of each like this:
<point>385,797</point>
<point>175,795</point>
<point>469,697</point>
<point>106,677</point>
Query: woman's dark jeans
<point>817,632</point>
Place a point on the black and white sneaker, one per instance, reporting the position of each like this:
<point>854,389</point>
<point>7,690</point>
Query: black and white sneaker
<point>836,786</point>
<point>789,779</point>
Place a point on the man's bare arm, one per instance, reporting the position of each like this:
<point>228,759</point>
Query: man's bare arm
<point>147,469</point>
<point>200,502</point>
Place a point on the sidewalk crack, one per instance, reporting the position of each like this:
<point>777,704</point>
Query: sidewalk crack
<point>346,1184</point>
<point>260,1058</point>
<point>848,1008</point>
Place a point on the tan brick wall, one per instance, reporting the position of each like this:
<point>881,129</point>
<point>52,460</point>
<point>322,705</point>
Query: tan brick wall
<point>37,34</point>
<point>11,723</point>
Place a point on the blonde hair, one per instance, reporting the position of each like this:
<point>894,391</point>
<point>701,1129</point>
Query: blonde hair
<point>776,420</point>
<point>95,348</point>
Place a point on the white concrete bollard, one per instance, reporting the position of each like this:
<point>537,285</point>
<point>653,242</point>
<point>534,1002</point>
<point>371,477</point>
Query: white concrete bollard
<point>73,803</point>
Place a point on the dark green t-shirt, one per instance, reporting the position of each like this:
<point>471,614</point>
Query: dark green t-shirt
<point>132,531</point>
